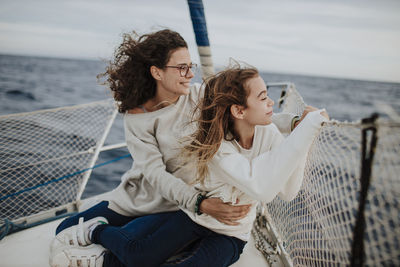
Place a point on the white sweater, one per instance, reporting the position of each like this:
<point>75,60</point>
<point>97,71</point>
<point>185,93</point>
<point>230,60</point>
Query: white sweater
<point>274,165</point>
<point>157,182</point>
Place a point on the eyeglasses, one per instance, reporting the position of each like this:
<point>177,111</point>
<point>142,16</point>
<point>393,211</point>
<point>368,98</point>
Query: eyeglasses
<point>184,68</point>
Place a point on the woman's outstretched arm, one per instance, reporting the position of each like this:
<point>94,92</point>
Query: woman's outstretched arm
<point>267,174</point>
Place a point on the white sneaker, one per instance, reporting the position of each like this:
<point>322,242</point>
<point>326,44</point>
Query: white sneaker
<point>69,256</point>
<point>76,235</point>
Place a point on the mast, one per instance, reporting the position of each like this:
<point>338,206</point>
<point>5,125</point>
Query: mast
<point>200,29</point>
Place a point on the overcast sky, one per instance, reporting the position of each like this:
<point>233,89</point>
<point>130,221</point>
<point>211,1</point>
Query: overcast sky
<point>334,38</point>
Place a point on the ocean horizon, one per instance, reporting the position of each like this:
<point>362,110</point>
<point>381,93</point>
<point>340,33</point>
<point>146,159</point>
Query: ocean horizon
<point>217,67</point>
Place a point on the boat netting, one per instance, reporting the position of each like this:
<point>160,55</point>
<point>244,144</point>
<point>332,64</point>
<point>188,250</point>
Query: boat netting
<point>42,155</point>
<point>46,156</point>
<point>318,227</point>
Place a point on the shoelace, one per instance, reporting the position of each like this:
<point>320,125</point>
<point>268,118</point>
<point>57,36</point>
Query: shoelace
<point>80,233</point>
<point>78,238</point>
<point>83,261</point>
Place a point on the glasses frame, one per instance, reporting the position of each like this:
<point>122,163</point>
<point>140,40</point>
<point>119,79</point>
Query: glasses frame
<point>183,68</point>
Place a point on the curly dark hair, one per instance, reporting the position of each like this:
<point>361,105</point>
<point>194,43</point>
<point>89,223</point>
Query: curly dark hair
<point>128,76</point>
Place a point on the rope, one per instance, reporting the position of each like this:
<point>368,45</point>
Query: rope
<point>358,257</point>
<point>63,177</point>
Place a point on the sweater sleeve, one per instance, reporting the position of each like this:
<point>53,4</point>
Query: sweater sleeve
<point>283,121</point>
<point>148,158</point>
<point>293,184</point>
<point>269,173</point>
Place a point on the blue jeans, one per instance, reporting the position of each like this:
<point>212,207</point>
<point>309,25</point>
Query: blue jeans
<point>150,240</point>
<point>100,209</point>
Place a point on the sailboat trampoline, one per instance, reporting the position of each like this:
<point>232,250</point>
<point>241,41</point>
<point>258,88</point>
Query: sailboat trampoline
<point>349,198</point>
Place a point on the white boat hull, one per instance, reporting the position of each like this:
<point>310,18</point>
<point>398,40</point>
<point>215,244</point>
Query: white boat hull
<point>30,247</point>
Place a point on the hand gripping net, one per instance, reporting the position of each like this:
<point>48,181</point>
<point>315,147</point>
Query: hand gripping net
<point>317,227</point>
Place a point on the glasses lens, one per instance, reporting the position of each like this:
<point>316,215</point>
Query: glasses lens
<point>184,70</point>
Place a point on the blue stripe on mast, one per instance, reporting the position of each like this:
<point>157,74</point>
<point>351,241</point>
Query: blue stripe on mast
<point>199,22</point>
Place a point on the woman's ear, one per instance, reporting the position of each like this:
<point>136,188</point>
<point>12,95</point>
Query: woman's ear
<point>155,72</point>
<point>237,111</point>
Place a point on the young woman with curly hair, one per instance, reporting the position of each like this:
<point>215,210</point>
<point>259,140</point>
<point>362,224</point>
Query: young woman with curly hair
<point>150,80</point>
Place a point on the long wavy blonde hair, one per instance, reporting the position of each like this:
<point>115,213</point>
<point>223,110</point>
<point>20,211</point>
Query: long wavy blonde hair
<point>214,122</point>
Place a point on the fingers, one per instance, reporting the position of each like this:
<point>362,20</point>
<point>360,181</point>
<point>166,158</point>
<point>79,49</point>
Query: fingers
<point>236,217</point>
<point>309,109</point>
<point>229,208</point>
<point>237,209</point>
<point>236,212</point>
<point>325,114</point>
<point>240,211</point>
<point>225,212</point>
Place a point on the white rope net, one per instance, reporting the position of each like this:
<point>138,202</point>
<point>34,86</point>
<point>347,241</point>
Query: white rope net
<point>44,154</point>
<point>316,228</point>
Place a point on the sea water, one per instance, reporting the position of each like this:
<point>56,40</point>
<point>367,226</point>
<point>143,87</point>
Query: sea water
<point>34,83</point>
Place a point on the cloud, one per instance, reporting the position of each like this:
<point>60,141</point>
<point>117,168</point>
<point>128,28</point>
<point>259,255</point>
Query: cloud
<point>341,39</point>
<point>51,41</point>
<point>353,39</point>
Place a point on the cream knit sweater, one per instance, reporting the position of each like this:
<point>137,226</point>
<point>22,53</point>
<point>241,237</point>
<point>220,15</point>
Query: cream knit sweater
<point>274,165</point>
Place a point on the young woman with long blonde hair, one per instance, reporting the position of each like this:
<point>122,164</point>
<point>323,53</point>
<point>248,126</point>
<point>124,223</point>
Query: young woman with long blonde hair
<point>239,154</point>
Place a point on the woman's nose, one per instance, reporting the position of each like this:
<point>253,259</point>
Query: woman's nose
<point>190,74</point>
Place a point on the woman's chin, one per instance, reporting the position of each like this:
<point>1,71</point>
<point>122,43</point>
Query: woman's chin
<point>185,90</point>
<point>267,122</point>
